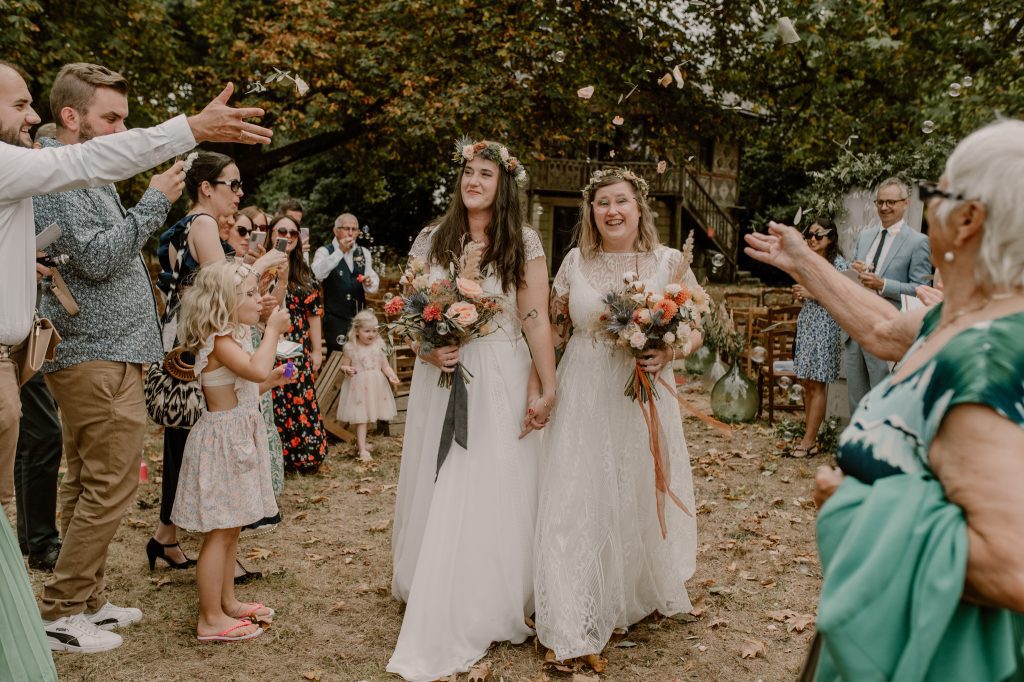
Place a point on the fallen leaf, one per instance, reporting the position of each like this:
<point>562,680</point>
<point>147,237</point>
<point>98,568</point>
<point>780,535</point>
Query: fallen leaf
<point>314,557</point>
<point>258,554</point>
<point>313,675</point>
<point>311,541</point>
<point>338,606</point>
<point>380,527</point>
<point>752,648</point>
<point>597,663</point>
<point>781,616</point>
<point>318,499</point>
<point>364,490</point>
<point>364,588</point>
<point>160,582</point>
<point>625,644</point>
<point>135,523</point>
<point>747,575</point>
<point>300,516</point>
<point>718,622</point>
<point>800,622</point>
<point>480,672</point>
<point>731,567</point>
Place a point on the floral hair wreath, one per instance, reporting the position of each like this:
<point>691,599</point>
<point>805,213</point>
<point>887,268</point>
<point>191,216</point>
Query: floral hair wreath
<point>466,150</point>
<point>616,174</point>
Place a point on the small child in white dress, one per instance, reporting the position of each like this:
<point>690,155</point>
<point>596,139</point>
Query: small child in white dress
<point>225,481</point>
<point>366,396</point>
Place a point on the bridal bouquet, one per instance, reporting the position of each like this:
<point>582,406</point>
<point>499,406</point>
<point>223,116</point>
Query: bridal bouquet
<point>638,320</point>
<point>447,312</point>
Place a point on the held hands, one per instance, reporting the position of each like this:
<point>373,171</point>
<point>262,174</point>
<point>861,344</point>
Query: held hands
<point>444,358</point>
<point>219,122</point>
<point>826,481</point>
<point>538,412</point>
<point>171,182</point>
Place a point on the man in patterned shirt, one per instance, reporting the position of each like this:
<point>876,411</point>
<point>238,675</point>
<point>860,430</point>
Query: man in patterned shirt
<point>96,377</point>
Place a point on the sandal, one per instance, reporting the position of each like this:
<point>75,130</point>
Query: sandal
<point>813,450</point>
<point>225,636</point>
<point>799,452</point>
<point>251,614</point>
<point>247,575</point>
<point>365,456</point>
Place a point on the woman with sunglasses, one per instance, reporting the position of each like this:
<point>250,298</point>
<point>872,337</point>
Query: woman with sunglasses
<point>919,530</point>
<point>819,350</point>
<point>214,188</point>
<point>296,411</point>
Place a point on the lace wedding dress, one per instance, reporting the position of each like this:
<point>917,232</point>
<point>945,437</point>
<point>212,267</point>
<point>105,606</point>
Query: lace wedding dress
<point>462,547</point>
<point>601,562</point>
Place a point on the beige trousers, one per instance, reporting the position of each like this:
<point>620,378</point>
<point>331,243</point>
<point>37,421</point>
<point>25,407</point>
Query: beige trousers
<point>103,417</point>
<point>10,417</point>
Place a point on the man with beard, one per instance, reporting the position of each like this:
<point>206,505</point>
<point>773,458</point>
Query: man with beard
<point>104,346</point>
<point>25,172</point>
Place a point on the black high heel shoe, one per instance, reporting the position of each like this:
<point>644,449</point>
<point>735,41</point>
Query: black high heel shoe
<point>247,575</point>
<point>155,550</point>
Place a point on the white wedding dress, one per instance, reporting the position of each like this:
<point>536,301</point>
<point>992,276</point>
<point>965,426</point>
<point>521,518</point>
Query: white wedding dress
<point>601,562</point>
<point>462,547</point>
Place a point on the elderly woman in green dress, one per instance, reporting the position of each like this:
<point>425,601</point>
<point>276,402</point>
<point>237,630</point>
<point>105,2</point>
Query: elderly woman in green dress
<point>921,530</point>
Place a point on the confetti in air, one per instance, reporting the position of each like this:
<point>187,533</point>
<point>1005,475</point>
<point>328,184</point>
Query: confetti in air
<point>799,216</point>
<point>665,80</point>
<point>661,167</point>
<point>618,120</point>
<point>787,32</point>
<point>678,76</point>
<point>278,76</point>
<point>585,93</point>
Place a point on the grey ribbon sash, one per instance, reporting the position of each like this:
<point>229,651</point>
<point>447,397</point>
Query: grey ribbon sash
<point>456,417</point>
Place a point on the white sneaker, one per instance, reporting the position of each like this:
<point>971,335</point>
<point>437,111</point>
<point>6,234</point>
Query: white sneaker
<point>78,635</point>
<point>110,616</point>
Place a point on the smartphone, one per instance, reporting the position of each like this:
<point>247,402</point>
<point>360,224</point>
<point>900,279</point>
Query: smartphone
<point>281,244</point>
<point>304,234</point>
<point>257,237</point>
<point>49,235</point>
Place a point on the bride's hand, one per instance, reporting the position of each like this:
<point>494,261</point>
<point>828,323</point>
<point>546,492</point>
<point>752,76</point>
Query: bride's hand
<point>444,358</point>
<point>538,412</point>
<point>655,360</point>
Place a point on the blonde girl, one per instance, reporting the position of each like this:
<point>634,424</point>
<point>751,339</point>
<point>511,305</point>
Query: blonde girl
<point>225,473</point>
<point>366,396</point>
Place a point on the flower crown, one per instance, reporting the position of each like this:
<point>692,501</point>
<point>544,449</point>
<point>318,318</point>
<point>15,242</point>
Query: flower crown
<point>602,176</point>
<point>466,150</point>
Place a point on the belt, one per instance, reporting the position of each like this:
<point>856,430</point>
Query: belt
<point>7,351</point>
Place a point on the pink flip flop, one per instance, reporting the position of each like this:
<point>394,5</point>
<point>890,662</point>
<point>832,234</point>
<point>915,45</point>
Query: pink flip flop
<point>251,612</point>
<point>224,636</point>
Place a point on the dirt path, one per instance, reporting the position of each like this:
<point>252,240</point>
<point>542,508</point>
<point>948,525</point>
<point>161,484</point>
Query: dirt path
<point>328,576</point>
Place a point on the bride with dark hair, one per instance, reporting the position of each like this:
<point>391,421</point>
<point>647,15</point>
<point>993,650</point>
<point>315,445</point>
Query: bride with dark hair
<point>462,544</point>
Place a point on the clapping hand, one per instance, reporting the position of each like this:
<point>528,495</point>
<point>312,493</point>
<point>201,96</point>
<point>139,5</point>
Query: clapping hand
<point>783,247</point>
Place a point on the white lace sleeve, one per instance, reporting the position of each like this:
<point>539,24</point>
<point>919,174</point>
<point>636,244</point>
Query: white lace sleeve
<point>560,287</point>
<point>534,247</point>
<point>421,247</point>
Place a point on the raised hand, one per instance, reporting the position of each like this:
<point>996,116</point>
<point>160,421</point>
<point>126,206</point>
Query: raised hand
<point>218,122</point>
<point>783,247</point>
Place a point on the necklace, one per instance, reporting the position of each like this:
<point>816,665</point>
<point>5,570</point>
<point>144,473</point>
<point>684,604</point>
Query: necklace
<point>973,309</point>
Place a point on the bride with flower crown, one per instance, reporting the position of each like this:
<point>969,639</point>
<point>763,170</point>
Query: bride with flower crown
<point>462,544</point>
<point>603,559</point>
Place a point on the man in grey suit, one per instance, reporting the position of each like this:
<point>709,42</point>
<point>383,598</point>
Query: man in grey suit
<point>891,261</point>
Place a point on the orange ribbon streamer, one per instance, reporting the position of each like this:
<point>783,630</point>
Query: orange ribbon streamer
<point>661,470</point>
<point>710,421</point>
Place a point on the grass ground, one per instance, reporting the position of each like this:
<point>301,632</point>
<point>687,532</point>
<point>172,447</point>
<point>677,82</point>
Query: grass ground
<point>328,572</point>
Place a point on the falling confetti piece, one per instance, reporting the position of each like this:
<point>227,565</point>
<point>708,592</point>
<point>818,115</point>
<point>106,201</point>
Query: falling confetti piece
<point>618,120</point>
<point>301,86</point>
<point>585,93</point>
<point>661,167</point>
<point>621,99</point>
<point>665,80</point>
<point>787,32</point>
<point>678,76</point>
<point>256,88</point>
<point>799,216</point>
<point>611,154</point>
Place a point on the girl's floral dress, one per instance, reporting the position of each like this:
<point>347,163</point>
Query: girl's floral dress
<point>296,412</point>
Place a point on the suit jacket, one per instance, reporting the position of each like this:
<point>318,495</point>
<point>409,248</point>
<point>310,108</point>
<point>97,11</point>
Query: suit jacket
<point>907,266</point>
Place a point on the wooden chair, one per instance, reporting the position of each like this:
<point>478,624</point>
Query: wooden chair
<point>743,320</point>
<point>738,300</point>
<point>777,296</point>
<point>786,313</point>
<point>328,392</point>
<point>778,341</point>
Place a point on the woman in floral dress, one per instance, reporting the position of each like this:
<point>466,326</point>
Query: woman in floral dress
<point>296,411</point>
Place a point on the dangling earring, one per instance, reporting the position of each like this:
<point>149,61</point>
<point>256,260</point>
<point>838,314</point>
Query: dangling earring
<point>949,256</point>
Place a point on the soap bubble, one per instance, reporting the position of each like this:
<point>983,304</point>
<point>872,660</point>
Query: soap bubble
<point>758,354</point>
<point>559,56</point>
<point>796,392</point>
<point>388,296</point>
<point>718,260</point>
<point>784,383</point>
<point>954,90</point>
<point>967,81</point>
<point>927,127</point>
<point>341,339</point>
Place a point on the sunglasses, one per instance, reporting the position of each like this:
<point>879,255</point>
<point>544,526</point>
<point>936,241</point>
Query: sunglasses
<point>817,236</point>
<point>285,232</point>
<point>234,185</point>
<point>926,191</point>
<point>242,231</point>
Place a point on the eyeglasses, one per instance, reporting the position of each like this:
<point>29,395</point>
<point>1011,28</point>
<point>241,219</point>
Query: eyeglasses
<point>234,185</point>
<point>926,191</point>
<point>889,203</point>
<point>285,232</point>
<point>242,231</point>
